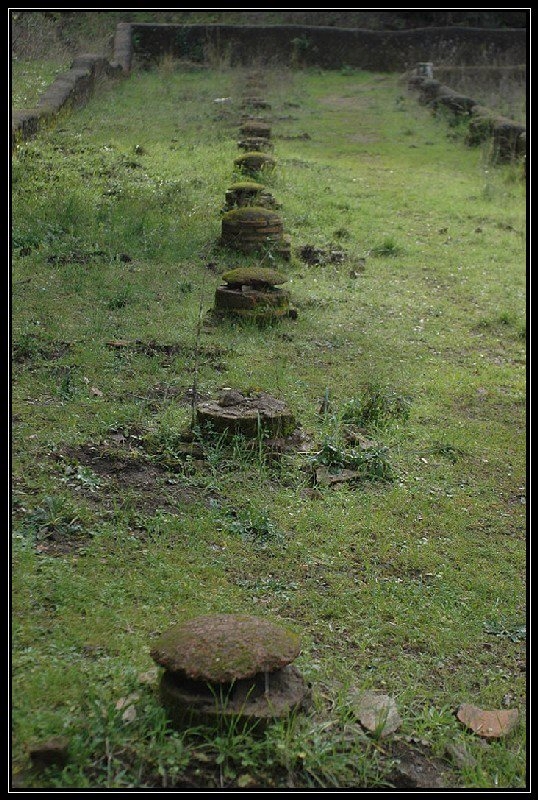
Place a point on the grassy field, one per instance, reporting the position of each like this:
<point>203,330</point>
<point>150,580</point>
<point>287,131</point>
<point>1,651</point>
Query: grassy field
<point>411,580</point>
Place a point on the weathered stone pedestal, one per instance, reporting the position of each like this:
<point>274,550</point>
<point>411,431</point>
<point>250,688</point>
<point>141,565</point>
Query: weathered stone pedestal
<point>251,229</point>
<point>255,162</point>
<point>247,415</point>
<point>251,292</point>
<point>255,144</point>
<point>249,193</point>
<point>227,666</point>
<point>256,128</point>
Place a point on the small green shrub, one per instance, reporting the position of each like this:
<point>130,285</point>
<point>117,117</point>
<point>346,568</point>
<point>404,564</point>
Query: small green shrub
<point>375,407</point>
<point>253,524</point>
<point>370,464</point>
<point>388,247</point>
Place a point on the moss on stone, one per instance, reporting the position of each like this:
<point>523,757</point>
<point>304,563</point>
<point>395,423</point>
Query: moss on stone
<point>255,161</point>
<point>254,155</point>
<point>250,212</point>
<point>254,276</point>
<point>256,412</point>
<point>221,648</point>
<point>246,186</point>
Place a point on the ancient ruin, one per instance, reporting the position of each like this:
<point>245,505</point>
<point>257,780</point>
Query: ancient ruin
<point>255,228</point>
<point>248,193</point>
<point>258,128</point>
<point>248,415</point>
<point>255,144</point>
<point>254,162</point>
<point>252,292</point>
<point>229,665</point>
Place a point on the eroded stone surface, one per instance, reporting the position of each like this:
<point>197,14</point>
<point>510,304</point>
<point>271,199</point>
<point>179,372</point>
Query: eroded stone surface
<point>258,700</point>
<point>377,713</point>
<point>249,193</point>
<point>251,228</point>
<point>254,162</point>
<point>247,416</point>
<point>256,128</point>
<point>254,276</point>
<point>221,648</point>
<point>247,301</point>
<point>255,144</point>
<point>488,724</point>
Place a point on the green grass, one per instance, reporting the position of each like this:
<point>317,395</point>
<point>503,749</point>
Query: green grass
<point>30,79</point>
<point>413,586</point>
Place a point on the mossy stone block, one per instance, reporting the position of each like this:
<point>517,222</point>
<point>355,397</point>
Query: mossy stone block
<point>254,276</point>
<point>221,648</point>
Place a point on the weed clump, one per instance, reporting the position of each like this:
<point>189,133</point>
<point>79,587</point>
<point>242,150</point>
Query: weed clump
<point>388,247</point>
<point>375,407</point>
<point>369,464</point>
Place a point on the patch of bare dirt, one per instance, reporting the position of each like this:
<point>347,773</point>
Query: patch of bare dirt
<point>33,349</point>
<point>210,354</point>
<point>123,473</point>
<point>415,768</point>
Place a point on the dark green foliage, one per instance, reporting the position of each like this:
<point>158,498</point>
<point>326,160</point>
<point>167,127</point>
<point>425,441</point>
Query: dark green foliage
<point>55,516</point>
<point>371,464</point>
<point>375,407</point>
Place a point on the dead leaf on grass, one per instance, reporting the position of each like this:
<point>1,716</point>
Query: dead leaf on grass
<point>150,676</point>
<point>488,724</point>
<point>378,713</point>
<point>126,701</point>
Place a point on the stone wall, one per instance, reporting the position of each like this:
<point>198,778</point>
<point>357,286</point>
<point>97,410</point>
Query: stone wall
<point>70,89</point>
<point>290,45</point>
<point>328,47</point>
<point>507,138</point>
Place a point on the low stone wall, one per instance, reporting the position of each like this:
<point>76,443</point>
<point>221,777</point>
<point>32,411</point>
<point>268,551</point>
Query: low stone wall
<point>142,44</point>
<point>508,138</point>
<point>70,89</point>
<point>486,76</point>
<point>328,47</point>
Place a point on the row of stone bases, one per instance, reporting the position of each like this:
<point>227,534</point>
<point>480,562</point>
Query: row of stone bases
<point>251,222</point>
<point>232,665</point>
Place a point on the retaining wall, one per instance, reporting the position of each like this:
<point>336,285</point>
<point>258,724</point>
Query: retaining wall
<point>70,89</point>
<point>143,44</point>
<point>508,138</point>
<point>328,47</point>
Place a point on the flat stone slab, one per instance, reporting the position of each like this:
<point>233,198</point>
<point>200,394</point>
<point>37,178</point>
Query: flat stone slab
<point>254,276</point>
<point>488,724</point>
<point>221,648</point>
<point>257,700</point>
<point>377,713</point>
<point>246,415</point>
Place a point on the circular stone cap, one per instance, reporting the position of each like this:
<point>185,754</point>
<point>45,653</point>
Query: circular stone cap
<point>221,648</point>
<point>255,160</point>
<point>246,186</point>
<point>254,276</point>
<point>249,416</point>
